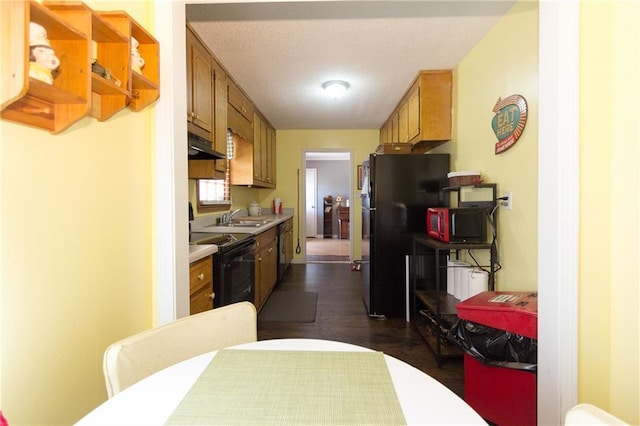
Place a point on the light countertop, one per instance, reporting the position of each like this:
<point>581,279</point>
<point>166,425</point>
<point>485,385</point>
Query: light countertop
<point>197,252</point>
<point>274,220</point>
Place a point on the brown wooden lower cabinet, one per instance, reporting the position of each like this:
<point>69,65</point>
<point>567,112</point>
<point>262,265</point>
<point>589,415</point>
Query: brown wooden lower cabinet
<point>266,272</point>
<point>201,285</point>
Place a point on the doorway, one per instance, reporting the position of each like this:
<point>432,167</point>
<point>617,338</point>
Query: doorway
<point>327,206</point>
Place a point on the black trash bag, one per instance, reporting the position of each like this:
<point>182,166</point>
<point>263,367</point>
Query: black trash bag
<point>492,346</point>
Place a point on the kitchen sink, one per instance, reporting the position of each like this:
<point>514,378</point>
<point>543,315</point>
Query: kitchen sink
<point>239,223</point>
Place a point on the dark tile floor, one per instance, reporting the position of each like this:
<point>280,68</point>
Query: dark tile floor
<point>341,316</point>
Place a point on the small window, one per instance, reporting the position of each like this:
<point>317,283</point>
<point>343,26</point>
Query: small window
<point>211,191</point>
<point>212,195</point>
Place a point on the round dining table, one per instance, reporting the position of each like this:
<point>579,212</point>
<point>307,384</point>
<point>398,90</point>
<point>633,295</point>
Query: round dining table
<point>152,400</point>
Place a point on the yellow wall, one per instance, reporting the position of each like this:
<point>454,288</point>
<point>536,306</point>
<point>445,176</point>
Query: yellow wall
<point>76,269</point>
<point>289,156</point>
<point>504,63</point>
<point>609,259</point>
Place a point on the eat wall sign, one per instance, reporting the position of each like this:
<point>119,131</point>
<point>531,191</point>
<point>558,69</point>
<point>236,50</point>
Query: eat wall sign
<point>509,121</point>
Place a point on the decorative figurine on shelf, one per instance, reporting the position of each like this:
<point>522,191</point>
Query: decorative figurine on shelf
<point>43,61</point>
<point>137,61</point>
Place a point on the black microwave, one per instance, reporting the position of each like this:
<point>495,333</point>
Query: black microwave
<point>460,225</point>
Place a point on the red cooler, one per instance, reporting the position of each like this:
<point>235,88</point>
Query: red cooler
<point>501,395</point>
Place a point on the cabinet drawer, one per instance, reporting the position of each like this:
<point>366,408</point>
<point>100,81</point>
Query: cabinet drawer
<point>200,274</point>
<point>202,300</point>
<point>263,238</point>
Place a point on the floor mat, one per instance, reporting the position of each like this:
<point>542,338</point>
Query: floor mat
<point>290,306</point>
<point>327,257</point>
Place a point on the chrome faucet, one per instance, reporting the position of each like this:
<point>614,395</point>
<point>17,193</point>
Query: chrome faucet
<point>226,218</point>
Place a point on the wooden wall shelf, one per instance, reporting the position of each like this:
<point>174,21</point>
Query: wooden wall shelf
<point>27,100</point>
<point>78,35</point>
<point>110,48</point>
<point>145,88</point>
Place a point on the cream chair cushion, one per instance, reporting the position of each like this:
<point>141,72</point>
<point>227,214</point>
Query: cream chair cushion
<point>587,414</point>
<point>138,356</point>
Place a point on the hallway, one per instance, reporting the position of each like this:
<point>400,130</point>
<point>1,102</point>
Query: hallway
<point>328,250</point>
<point>341,316</point>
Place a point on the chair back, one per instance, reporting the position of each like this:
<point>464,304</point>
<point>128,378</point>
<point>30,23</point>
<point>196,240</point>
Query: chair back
<point>588,414</point>
<point>138,356</point>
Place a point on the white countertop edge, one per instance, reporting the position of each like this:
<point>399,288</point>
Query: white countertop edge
<point>197,252</point>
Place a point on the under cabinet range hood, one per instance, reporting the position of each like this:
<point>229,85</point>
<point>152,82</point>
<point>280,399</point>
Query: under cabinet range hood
<point>200,149</point>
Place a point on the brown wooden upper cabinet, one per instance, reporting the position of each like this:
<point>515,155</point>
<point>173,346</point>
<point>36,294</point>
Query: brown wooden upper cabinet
<point>423,115</point>
<point>216,103</point>
<point>263,150</point>
<point>220,113</point>
<point>253,163</point>
<point>199,87</point>
<point>239,112</point>
<point>206,105</point>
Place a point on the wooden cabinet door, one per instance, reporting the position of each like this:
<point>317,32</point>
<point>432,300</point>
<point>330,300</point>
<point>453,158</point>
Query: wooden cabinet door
<point>264,152</point>
<point>384,130</point>
<point>271,158</point>
<point>257,147</point>
<point>201,93</point>
<point>395,128</point>
<point>239,101</point>
<point>288,243</point>
<point>413,113</point>
<point>239,111</point>
<point>272,264</point>
<point>220,114</point>
<point>435,106</point>
<point>403,122</point>
<point>266,268</point>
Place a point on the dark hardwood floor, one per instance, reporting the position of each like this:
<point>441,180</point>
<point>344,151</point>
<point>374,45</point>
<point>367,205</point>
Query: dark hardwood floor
<point>341,316</point>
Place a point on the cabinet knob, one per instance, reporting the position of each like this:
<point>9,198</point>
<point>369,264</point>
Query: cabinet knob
<point>212,296</point>
<point>201,276</point>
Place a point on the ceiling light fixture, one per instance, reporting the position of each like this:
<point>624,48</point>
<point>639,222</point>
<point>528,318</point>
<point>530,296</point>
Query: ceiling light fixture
<point>335,88</point>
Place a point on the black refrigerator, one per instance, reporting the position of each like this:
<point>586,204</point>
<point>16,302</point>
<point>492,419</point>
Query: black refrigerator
<point>397,189</point>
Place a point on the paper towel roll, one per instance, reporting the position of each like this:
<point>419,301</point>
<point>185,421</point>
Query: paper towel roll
<point>464,280</point>
<point>451,277</point>
<point>460,281</point>
<point>478,281</point>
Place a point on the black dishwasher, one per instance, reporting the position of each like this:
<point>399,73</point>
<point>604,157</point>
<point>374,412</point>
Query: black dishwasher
<point>233,266</point>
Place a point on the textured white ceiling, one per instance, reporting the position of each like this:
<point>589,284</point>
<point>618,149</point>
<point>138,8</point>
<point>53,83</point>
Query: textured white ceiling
<point>280,53</point>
